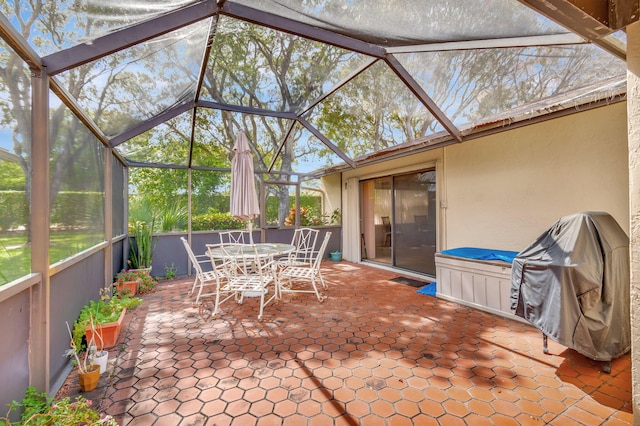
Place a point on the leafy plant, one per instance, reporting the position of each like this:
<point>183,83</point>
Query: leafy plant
<point>127,275</point>
<point>174,217</point>
<point>146,283</point>
<point>170,272</point>
<point>34,403</point>
<point>39,409</point>
<point>308,217</point>
<point>81,360</point>
<point>336,217</point>
<point>141,254</point>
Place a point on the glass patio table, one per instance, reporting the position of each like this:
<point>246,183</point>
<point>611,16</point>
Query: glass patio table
<point>239,250</point>
<point>233,252</point>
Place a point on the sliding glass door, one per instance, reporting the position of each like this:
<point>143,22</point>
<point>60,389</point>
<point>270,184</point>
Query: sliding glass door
<point>398,220</point>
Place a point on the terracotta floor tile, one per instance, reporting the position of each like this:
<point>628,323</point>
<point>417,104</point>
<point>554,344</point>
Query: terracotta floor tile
<point>190,407</point>
<point>360,357</point>
<point>478,419</point>
<point>582,416</point>
<point>168,420</point>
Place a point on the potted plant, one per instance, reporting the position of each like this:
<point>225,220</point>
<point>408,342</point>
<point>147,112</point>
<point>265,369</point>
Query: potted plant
<point>133,281</point>
<point>88,373</point>
<point>107,315</point>
<point>97,353</point>
<point>127,281</point>
<point>100,356</point>
<point>141,253</point>
<point>336,256</point>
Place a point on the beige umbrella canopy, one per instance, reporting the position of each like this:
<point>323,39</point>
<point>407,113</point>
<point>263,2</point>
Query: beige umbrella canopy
<point>244,199</point>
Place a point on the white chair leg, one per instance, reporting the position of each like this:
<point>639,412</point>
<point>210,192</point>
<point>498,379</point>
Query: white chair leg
<point>315,289</point>
<point>324,285</point>
<point>193,287</point>
<point>199,293</point>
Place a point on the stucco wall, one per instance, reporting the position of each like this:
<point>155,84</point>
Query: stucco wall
<point>331,185</point>
<point>504,190</point>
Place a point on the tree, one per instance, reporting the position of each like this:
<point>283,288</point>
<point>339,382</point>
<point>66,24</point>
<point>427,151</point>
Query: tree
<point>258,67</point>
<point>262,68</point>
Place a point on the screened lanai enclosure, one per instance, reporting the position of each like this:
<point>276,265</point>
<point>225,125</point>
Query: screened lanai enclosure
<point>113,112</point>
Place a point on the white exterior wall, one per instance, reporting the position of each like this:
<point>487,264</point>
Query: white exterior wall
<point>502,191</point>
<point>331,187</point>
<point>633,93</point>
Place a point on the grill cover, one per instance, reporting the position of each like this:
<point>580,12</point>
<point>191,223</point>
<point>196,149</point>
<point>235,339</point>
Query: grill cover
<point>572,284</point>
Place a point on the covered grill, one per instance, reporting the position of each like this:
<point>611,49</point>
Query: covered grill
<point>572,283</point>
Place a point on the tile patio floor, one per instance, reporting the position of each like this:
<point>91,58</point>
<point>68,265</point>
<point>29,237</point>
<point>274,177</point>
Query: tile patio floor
<point>374,353</point>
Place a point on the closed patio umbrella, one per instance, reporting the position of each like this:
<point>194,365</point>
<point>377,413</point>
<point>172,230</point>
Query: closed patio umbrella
<point>244,199</point>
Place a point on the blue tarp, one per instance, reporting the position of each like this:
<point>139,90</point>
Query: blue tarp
<point>429,289</point>
<point>482,254</point>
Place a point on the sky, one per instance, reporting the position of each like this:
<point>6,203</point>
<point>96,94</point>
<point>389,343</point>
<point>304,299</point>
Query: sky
<point>6,140</point>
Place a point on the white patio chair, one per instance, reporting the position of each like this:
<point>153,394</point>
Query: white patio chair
<point>216,277</point>
<point>236,237</point>
<point>304,240</point>
<point>250,275</point>
<point>309,273</point>
<point>202,259</point>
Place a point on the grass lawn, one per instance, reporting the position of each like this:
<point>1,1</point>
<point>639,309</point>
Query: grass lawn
<point>15,253</point>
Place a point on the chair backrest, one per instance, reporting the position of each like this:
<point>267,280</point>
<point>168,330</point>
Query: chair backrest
<point>304,240</point>
<point>323,247</point>
<point>221,259</point>
<point>192,257</point>
<point>386,223</point>
<point>236,237</point>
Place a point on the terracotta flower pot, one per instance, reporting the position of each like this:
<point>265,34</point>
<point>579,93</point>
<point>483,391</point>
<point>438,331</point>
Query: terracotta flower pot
<point>127,287</point>
<point>89,380</point>
<point>108,331</point>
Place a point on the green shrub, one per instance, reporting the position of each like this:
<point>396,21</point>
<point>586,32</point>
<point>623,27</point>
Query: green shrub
<point>216,221</point>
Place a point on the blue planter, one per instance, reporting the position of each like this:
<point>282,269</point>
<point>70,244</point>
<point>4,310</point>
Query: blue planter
<point>336,256</point>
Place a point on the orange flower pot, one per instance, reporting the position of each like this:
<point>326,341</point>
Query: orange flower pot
<point>89,380</point>
<point>127,287</point>
<point>109,332</point>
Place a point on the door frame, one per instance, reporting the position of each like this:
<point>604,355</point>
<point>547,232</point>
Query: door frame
<point>352,225</point>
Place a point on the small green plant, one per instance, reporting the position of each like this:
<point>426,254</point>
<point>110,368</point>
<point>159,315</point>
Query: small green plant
<point>34,403</point>
<point>170,272</point>
<point>336,217</point>
<point>39,409</point>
